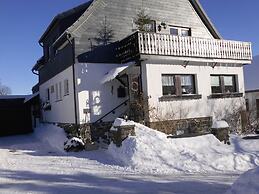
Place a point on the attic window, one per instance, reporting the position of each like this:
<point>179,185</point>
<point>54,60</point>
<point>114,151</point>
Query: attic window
<point>180,31</point>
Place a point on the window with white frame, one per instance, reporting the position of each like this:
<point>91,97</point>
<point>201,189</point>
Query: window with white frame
<point>178,85</point>
<point>66,87</point>
<point>221,84</point>
<point>180,31</point>
<point>58,91</point>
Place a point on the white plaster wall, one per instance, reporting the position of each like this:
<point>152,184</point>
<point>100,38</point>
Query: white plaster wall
<point>152,86</point>
<point>252,96</point>
<point>96,97</point>
<point>61,111</point>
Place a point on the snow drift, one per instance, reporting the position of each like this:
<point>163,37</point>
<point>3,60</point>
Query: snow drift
<point>152,152</point>
<point>247,183</point>
<point>52,135</point>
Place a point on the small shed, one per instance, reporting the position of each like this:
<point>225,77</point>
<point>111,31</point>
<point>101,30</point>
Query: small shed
<point>16,116</point>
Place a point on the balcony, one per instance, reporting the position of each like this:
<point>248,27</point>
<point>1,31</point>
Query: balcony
<point>141,44</point>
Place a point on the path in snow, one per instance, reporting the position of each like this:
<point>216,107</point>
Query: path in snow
<point>29,166</point>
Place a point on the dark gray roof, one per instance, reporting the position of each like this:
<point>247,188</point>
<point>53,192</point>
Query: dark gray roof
<point>76,10</point>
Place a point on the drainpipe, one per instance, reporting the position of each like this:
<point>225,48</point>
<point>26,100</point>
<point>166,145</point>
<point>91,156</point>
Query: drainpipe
<point>68,36</point>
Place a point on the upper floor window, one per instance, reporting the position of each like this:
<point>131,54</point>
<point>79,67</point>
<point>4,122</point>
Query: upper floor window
<point>66,87</point>
<point>179,31</point>
<point>150,27</point>
<point>178,84</point>
<point>223,84</point>
<point>47,94</point>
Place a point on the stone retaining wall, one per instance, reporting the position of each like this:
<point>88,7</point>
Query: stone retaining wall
<point>193,125</point>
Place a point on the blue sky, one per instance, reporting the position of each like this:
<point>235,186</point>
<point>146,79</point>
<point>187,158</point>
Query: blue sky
<point>23,22</point>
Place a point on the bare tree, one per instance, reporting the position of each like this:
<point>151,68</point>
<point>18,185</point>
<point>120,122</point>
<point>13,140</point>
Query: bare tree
<point>105,34</point>
<point>4,90</point>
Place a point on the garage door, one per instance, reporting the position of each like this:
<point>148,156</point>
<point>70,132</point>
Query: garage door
<point>15,117</point>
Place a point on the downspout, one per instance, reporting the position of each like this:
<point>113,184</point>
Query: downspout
<point>73,72</point>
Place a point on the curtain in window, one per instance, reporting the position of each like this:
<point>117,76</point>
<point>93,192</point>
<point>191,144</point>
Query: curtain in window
<point>215,81</point>
<point>228,80</point>
<point>186,80</point>
<point>167,80</point>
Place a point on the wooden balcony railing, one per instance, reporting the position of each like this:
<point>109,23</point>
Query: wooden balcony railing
<point>142,43</point>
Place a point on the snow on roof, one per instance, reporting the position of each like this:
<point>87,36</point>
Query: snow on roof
<point>29,97</point>
<point>113,73</point>
<point>25,97</point>
<point>13,97</point>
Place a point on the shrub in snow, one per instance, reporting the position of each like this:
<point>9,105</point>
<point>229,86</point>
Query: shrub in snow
<point>74,145</point>
<point>247,183</point>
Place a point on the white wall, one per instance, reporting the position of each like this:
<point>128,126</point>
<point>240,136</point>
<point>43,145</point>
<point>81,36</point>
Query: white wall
<point>194,108</point>
<point>62,111</point>
<point>95,96</point>
<point>252,97</point>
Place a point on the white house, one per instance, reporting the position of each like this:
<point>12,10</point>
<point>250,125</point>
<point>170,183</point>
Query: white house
<point>179,68</point>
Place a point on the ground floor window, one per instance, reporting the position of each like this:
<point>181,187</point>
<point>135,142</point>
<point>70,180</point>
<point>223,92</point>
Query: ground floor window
<point>223,84</point>
<point>178,85</point>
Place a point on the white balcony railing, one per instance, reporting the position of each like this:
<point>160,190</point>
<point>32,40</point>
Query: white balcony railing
<point>142,43</point>
<point>163,44</point>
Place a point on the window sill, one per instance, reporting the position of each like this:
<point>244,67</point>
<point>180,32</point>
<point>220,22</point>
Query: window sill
<point>230,95</point>
<point>184,97</point>
<point>58,100</point>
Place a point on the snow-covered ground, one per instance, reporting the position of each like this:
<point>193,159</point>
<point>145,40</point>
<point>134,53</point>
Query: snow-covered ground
<point>36,163</point>
<point>152,152</point>
<point>247,183</point>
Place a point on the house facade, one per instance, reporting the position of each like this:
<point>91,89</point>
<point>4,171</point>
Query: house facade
<point>98,66</point>
<point>252,103</point>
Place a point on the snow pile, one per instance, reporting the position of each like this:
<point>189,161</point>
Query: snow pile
<point>219,124</point>
<point>52,135</point>
<point>152,152</point>
<point>120,122</point>
<point>247,183</point>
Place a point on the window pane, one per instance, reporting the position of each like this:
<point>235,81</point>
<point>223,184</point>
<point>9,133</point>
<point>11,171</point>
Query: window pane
<point>151,27</point>
<point>215,84</point>
<point>228,80</point>
<point>184,32</point>
<point>174,31</point>
<point>168,85</point>
<point>215,81</point>
<point>167,80</point>
<point>229,83</point>
<point>66,87</point>
<point>187,83</point>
